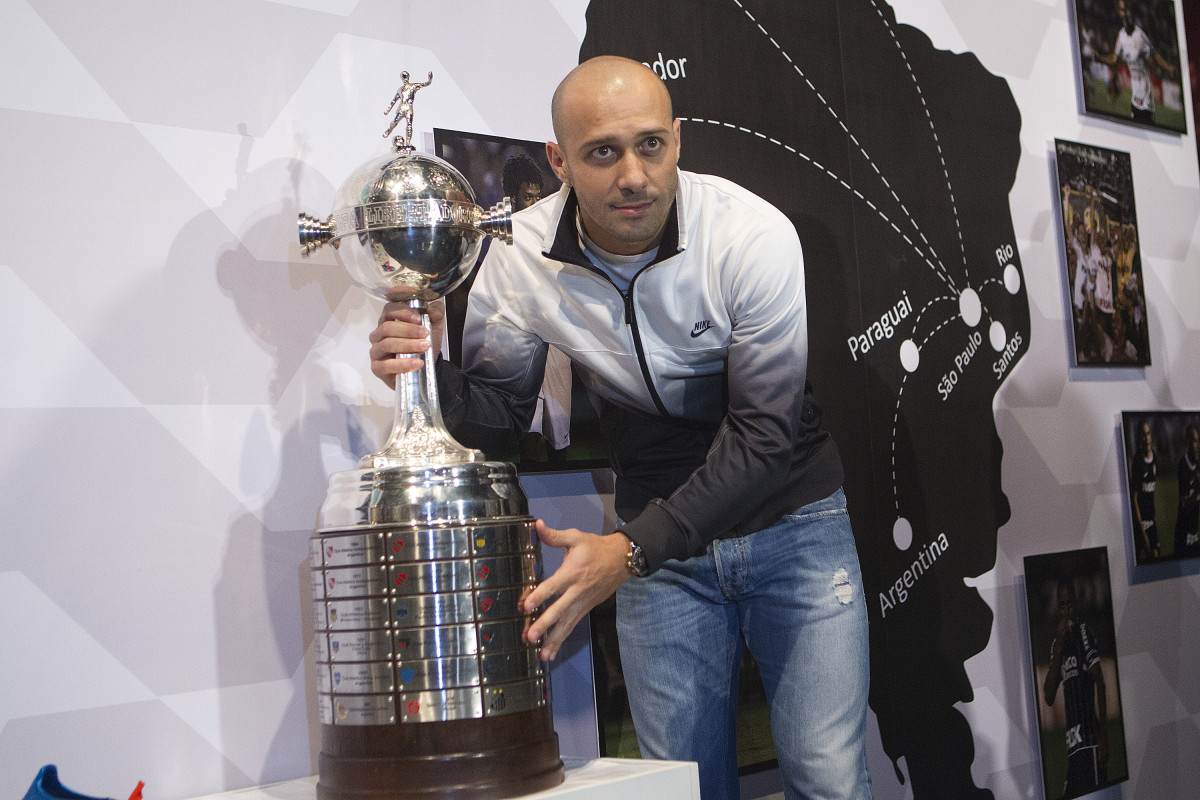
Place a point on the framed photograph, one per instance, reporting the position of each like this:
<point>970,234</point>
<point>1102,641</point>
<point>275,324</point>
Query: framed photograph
<point>1191,35</point>
<point>1075,680</point>
<point>1162,467</point>
<point>1105,289</point>
<point>565,432</point>
<point>1129,62</point>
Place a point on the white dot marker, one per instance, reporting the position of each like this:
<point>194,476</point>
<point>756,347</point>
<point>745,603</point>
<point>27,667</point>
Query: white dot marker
<point>970,308</point>
<point>902,533</point>
<point>1012,279</point>
<point>910,355</point>
<point>997,336</point>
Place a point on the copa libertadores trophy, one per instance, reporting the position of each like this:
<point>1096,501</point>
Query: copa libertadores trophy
<point>425,686</point>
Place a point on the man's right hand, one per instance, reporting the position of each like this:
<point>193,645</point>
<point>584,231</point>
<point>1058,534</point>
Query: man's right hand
<point>400,332</point>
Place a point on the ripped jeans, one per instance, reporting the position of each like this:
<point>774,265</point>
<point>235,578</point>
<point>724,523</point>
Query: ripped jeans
<point>794,592</point>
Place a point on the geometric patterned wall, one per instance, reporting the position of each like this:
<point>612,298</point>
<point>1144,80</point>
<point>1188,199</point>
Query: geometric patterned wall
<point>178,383</point>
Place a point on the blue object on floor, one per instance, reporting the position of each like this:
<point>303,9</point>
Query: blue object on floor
<point>47,787</point>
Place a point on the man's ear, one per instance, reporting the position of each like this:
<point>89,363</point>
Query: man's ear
<point>675,128</point>
<point>558,162</point>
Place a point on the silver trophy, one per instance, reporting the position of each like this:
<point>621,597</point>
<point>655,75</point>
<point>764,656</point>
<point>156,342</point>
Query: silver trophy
<point>406,227</point>
<point>425,686</point>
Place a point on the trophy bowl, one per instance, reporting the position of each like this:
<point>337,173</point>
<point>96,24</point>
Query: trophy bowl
<point>406,227</point>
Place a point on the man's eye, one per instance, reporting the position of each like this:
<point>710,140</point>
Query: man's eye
<point>602,152</point>
<point>653,143</point>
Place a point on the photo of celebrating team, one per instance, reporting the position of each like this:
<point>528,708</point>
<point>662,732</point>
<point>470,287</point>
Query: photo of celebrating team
<point>1103,259</point>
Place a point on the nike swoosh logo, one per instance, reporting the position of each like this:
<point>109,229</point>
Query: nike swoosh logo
<point>701,327</point>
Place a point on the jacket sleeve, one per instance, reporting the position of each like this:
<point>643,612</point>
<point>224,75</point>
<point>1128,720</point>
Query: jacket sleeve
<point>754,464</point>
<point>488,402</point>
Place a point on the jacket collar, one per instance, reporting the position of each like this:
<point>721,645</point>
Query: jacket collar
<point>562,242</point>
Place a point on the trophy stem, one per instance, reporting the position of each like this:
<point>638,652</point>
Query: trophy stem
<point>419,436</point>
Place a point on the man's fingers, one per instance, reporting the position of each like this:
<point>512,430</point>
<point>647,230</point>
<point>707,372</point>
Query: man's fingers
<point>591,570</point>
<point>555,537</point>
<point>398,330</point>
<point>398,311</point>
<point>553,626</point>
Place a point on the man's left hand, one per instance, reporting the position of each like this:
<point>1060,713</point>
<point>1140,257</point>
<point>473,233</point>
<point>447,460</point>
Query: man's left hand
<point>592,569</point>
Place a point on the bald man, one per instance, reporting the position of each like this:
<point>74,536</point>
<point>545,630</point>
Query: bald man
<point>680,299</point>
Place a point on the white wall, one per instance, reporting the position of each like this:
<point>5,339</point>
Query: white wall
<point>178,382</point>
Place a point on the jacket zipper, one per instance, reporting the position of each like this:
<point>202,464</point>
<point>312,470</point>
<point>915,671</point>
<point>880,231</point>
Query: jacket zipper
<point>631,321</point>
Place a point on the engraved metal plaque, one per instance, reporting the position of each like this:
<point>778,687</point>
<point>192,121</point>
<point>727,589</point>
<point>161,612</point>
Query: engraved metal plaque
<point>363,709</point>
<point>515,697</point>
<point>431,577</point>
<point>501,635</point>
<point>343,550</point>
<point>425,611</point>
<point>498,539</point>
<point>511,665</point>
<point>356,614</point>
<point>441,706</point>
<point>438,673</point>
<point>429,544</point>
<point>320,615</point>
<point>364,581</point>
<point>514,570</point>
<point>367,678</point>
<point>325,709</point>
<point>498,603</point>
<point>367,645</point>
<point>448,640</point>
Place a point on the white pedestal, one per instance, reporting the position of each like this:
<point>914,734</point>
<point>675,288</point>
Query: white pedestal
<point>598,779</point>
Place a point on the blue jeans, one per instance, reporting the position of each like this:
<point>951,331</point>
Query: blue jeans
<point>794,592</point>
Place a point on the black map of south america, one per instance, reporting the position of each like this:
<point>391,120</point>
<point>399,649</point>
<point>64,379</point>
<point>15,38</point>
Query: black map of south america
<point>894,160</point>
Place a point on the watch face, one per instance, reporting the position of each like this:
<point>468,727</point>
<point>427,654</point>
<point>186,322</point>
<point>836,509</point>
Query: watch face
<point>637,560</point>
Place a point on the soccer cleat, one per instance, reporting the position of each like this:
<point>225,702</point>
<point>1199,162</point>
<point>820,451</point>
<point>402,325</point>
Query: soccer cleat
<point>46,786</point>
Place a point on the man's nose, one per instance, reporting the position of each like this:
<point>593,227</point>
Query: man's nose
<point>632,173</point>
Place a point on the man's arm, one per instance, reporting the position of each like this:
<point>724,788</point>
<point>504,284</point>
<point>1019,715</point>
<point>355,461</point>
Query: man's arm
<point>1139,529</point>
<point>1164,65</point>
<point>1054,671</point>
<point>1186,481</point>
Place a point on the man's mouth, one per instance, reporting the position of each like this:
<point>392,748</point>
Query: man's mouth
<point>633,209</point>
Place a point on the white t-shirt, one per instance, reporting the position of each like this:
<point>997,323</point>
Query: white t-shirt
<point>1135,49</point>
<point>621,269</point>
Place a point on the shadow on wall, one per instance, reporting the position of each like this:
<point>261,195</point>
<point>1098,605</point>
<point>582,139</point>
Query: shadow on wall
<point>263,598</point>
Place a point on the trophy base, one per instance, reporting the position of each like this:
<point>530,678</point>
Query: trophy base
<point>426,689</point>
<point>480,759</point>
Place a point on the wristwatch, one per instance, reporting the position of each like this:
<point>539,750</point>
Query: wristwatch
<point>635,559</point>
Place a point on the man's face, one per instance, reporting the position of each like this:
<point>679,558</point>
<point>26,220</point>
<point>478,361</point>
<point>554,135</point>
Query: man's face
<point>527,195</point>
<point>1126,17</point>
<point>619,152</point>
<point>1193,443</point>
<point>1147,439</point>
<point>1066,603</point>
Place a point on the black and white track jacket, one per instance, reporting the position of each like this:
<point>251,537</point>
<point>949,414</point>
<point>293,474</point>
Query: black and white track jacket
<point>697,371</point>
